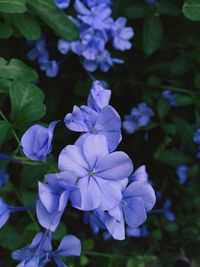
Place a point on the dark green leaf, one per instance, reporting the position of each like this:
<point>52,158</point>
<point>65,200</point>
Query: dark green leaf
<point>4,128</point>
<point>136,9</point>
<point>152,34</point>
<point>185,131</point>
<point>28,26</point>
<point>5,31</point>
<point>13,6</point>
<point>26,102</point>
<point>168,8</point>
<point>173,157</point>
<point>168,128</point>
<point>180,65</point>
<point>191,9</point>
<point>183,100</point>
<point>15,69</point>
<point>55,18</point>
<point>163,107</point>
<point>5,86</point>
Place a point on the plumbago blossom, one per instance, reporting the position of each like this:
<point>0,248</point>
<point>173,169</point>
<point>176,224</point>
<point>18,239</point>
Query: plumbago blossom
<point>92,176</point>
<point>97,28</point>
<point>97,31</point>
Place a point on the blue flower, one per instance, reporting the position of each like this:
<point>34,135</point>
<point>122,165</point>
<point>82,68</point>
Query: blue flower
<point>150,2</point>
<point>167,210</point>
<point>139,174</point>
<point>99,97</point>
<point>39,50</point>
<point>4,177</point>
<point>63,4</point>
<point>121,34</point>
<point>98,118</point>
<point>54,196</point>
<point>51,67</point>
<point>197,137</point>
<point>98,17</point>
<point>170,96</point>
<point>181,172</point>
<point>92,3</point>
<point>39,252</point>
<point>137,232</point>
<point>37,141</point>
<point>98,172</point>
<point>4,212</point>
<point>140,116</point>
<point>95,220</point>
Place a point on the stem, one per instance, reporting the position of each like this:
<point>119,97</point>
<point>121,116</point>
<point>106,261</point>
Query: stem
<point>172,88</point>
<point>13,131</point>
<point>106,255</point>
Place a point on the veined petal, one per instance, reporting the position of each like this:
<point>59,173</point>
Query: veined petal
<point>69,246</point>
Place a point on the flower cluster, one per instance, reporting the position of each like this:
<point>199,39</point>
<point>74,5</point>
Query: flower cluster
<point>182,173</point>
<point>92,176</point>
<point>97,28</point>
<point>40,54</point>
<point>139,117</point>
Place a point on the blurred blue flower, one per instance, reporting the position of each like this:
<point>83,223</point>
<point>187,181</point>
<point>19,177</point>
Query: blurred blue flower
<point>4,177</point>
<point>39,252</point>
<point>99,97</point>
<point>137,232</point>
<point>150,2</point>
<point>139,117</point>
<point>95,220</point>
<point>170,96</point>
<point>63,4</point>
<point>54,196</point>
<point>167,210</point>
<point>181,172</point>
<point>121,34</point>
<point>37,141</point>
<point>197,137</point>
<point>92,3</point>
<point>98,172</point>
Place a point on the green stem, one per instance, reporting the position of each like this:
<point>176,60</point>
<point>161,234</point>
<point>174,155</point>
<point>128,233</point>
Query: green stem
<point>29,162</point>
<point>105,255</point>
<point>13,131</point>
<point>172,88</point>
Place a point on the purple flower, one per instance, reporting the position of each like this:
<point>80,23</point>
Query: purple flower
<point>99,97</point>
<point>107,122</point>
<point>167,210</point>
<point>139,117</point>
<point>54,196</point>
<point>139,174</point>
<point>39,50</point>
<point>51,67</point>
<point>121,34</point>
<point>95,220</point>
<point>62,3</point>
<point>4,177</point>
<point>92,3</point>
<point>197,137</point>
<point>181,172</point>
<point>170,96</point>
<point>37,141</point>
<point>99,172</point>
<point>39,252</point>
<point>150,2</point>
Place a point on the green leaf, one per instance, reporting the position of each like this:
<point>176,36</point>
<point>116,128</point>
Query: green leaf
<point>4,129</point>
<point>173,157</point>
<point>168,8</point>
<point>163,107</point>
<point>4,86</point>
<point>191,9</point>
<point>185,131</point>
<point>180,65</point>
<point>5,31</point>
<point>168,128</point>
<point>55,18</point>
<point>15,69</point>
<point>26,103</point>
<point>152,34</point>
<point>13,6</point>
<point>137,9</point>
<point>28,26</point>
<point>183,100</point>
